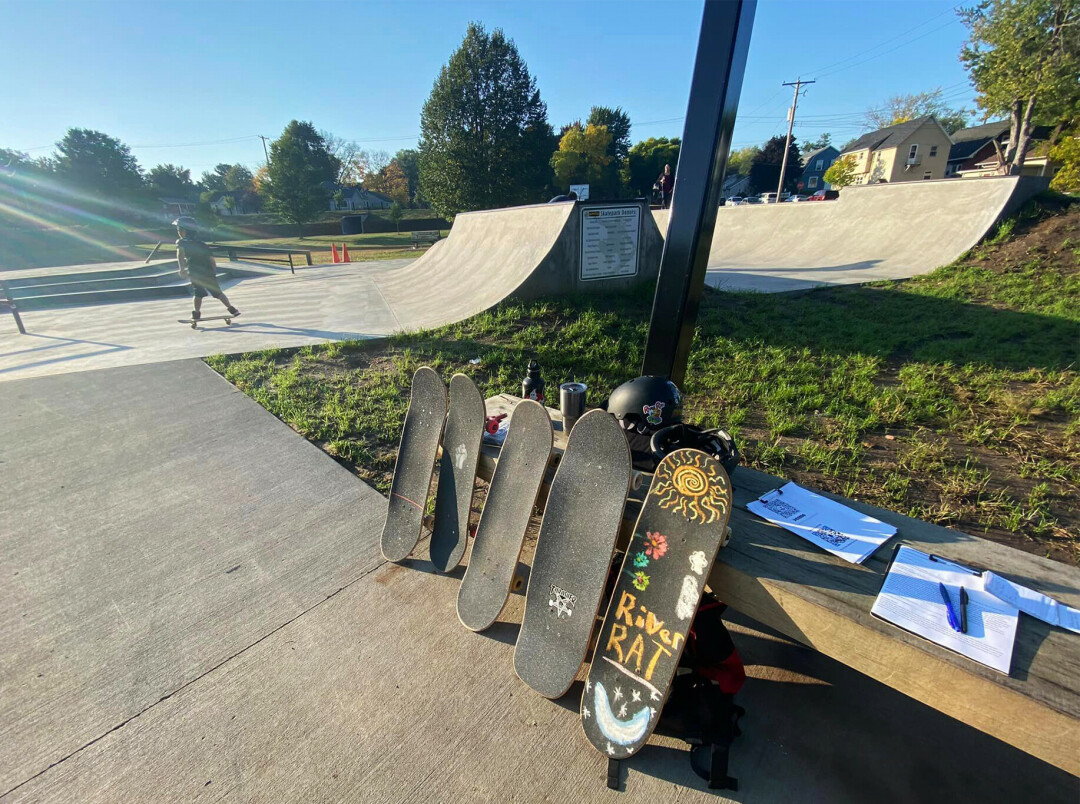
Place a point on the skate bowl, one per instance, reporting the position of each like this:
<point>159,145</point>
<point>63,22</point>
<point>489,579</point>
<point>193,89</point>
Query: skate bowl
<point>513,253</point>
<point>870,233</point>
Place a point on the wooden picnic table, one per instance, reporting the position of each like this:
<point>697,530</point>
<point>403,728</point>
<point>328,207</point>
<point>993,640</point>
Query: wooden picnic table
<point>824,602</point>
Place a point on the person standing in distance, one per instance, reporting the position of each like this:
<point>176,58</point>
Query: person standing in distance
<point>665,183</point>
<point>197,265</point>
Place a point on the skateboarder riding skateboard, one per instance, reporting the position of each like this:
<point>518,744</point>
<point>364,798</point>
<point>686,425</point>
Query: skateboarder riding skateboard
<point>198,267</point>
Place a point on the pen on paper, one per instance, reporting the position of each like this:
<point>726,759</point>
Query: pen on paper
<point>954,623</point>
<point>963,610</point>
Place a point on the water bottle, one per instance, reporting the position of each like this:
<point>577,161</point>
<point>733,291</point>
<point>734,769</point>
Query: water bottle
<point>532,387</point>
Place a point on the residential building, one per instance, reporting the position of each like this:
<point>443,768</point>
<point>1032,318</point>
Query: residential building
<point>735,185</point>
<point>913,150</point>
<point>814,166</point>
<point>235,202</point>
<point>353,198</point>
<point>974,154</point>
<point>173,207</point>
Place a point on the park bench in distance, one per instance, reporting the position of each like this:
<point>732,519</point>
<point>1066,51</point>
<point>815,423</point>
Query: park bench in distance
<point>823,602</point>
<point>429,237</point>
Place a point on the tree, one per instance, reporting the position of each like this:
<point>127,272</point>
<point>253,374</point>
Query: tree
<point>765,167</point>
<point>171,180</point>
<point>582,155</point>
<point>1023,57</point>
<point>901,108</point>
<point>238,177</point>
<point>484,136</point>
<point>97,163</point>
<point>614,177</point>
<point>395,214</point>
<point>1067,154</point>
<point>214,180</point>
<point>408,160</point>
<point>824,141</point>
<point>299,166</point>
<point>740,161</point>
<point>353,161</point>
<point>390,181</point>
<point>646,161</point>
<point>841,172</point>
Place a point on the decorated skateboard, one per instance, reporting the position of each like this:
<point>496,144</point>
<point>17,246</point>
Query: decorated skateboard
<point>501,530</point>
<point>656,595</point>
<point>415,462</point>
<point>573,554</point>
<point>196,321</point>
<point>457,473</point>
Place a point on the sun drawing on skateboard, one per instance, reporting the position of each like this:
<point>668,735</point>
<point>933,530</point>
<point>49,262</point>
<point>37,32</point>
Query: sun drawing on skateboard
<point>692,486</point>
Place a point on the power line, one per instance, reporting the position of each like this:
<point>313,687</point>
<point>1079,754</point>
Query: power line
<point>798,84</point>
<point>884,52</point>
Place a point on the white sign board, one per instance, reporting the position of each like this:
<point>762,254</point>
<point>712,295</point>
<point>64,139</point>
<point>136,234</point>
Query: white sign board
<point>609,241</point>
<point>582,191</point>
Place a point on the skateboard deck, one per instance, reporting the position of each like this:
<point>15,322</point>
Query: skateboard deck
<point>196,321</point>
<point>573,554</point>
<point>511,498</point>
<point>678,532</point>
<point>457,473</point>
<point>415,462</point>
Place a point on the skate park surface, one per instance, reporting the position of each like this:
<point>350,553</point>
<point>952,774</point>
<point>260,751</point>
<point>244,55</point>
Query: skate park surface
<point>871,233</point>
<point>195,608</point>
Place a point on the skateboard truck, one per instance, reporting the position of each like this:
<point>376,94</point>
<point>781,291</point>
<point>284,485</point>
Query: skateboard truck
<point>491,423</point>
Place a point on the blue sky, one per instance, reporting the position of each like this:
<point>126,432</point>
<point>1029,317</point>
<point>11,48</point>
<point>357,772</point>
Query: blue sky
<point>193,83</point>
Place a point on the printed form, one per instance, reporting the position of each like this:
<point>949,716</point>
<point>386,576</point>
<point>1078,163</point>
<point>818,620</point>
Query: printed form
<point>910,598</point>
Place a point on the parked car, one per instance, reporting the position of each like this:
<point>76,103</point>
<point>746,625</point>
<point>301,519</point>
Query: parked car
<point>735,200</point>
<point>770,198</point>
<point>824,195</point>
<point>752,199</point>
<point>796,198</point>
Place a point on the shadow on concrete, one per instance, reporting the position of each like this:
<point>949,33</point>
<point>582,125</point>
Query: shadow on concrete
<point>59,342</point>
<point>249,328</point>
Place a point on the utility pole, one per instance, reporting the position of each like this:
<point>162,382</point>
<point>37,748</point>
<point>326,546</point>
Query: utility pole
<point>798,83</point>
<point>265,153</point>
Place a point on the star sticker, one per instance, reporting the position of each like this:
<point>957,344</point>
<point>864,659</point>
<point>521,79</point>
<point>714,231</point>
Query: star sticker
<point>654,696</point>
<point>611,749</point>
<point>588,685</point>
<point>652,712</point>
<point>622,711</point>
<point>637,695</point>
<point>585,713</point>
<point>618,693</point>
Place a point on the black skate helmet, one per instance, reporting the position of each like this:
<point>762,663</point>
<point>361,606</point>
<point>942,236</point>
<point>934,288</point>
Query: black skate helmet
<point>646,404</point>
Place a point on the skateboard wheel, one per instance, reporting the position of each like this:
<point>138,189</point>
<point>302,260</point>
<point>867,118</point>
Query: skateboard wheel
<point>194,325</point>
<point>228,321</point>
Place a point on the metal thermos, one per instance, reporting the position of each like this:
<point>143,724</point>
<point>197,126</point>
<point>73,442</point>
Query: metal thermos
<point>572,403</point>
<point>532,387</point>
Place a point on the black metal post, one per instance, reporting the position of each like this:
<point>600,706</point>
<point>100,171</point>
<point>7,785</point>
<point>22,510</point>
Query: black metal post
<point>710,118</point>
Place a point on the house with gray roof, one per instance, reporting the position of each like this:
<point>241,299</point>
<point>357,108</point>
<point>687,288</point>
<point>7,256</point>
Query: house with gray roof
<point>909,151</point>
<point>973,153</point>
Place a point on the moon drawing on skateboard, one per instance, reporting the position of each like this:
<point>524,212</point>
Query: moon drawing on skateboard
<point>656,597</point>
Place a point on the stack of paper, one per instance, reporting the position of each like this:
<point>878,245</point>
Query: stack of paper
<point>1031,602</point>
<point>911,598</point>
<point>842,531</point>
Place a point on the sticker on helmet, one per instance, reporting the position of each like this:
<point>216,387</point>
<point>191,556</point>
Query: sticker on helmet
<point>653,412</point>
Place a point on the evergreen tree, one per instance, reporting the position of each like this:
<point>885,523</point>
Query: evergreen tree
<point>765,167</point>
<point>485,141</point>
<point>299,172</point>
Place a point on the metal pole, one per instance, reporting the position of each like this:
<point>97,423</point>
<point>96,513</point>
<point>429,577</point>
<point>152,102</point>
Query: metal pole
<point>791,124</point>
<point>710,118</point>
<point>265,152</point>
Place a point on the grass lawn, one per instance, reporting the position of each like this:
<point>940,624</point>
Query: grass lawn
<point>953,397</point>
<point>384,246</point>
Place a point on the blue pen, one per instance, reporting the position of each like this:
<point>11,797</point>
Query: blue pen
<point>954,621</point>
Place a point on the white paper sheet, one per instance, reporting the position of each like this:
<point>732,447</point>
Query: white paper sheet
<point>842,531</point>
<point>910,598</point>
<point>1031,602</point>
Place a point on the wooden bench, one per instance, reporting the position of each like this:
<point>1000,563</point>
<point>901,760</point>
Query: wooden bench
<point>823,602</point>
<point>430,237</point>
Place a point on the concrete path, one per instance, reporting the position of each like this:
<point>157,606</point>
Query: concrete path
<point>194,608</point>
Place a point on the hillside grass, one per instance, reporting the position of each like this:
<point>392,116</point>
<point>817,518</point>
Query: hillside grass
<point>953,397</point>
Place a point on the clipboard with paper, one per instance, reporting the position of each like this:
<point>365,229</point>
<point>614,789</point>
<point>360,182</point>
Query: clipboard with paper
<point>910,599</point>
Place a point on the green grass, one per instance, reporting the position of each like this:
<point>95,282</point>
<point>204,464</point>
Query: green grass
<point>953,397</point>
<point>388,245</point>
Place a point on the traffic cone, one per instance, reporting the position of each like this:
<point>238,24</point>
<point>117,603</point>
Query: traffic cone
<point>333,249</point>
<point>345,253</point>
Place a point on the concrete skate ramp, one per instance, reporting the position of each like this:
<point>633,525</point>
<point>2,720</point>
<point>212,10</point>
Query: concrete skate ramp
<point>883,231</point>
<point>490,255</point>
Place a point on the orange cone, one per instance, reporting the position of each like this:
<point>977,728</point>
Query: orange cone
<point>345,253</point>
<point>333,249</point>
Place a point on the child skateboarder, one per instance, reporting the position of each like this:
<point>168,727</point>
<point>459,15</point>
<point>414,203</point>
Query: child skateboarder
<point>198,267</point>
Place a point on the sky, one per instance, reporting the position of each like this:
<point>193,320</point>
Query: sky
<point>194,83</point>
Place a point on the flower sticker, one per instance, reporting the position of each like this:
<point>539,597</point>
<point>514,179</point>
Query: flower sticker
<point>655,545</point>
<point>641,560</point>
<point>641,581</point>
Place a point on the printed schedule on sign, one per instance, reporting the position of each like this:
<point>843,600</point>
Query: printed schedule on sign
<point>842,531</point>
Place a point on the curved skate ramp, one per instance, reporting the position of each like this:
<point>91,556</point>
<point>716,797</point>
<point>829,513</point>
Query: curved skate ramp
<point>485,258</point>
<point>871,233</point>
